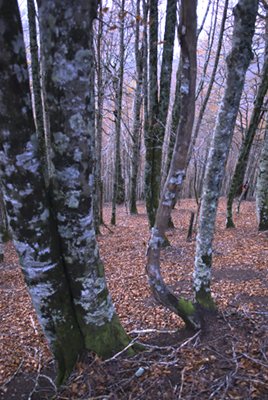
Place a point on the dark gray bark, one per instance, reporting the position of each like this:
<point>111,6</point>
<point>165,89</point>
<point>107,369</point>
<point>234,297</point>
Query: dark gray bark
<point>66,30</point>
<point>237,63</point>
<point>262,187</point>
<point>185,309</point>
<point>98,214</point>
<point>136,133</point>
<point>33,228</point>
<point>158,108</point>
<point>118,182</point>
<point>241,165</point>
<point>152,181</point>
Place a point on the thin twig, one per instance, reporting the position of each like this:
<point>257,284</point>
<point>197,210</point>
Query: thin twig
<point>121,352</point>
<point>12,376</point>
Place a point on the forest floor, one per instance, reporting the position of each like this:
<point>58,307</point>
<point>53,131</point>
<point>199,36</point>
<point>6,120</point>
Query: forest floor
<point>227,360</point>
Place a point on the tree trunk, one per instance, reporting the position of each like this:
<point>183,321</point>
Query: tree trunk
<point>33,228</point>
<point>211,81</point>
<point>158,110</point>
<point>237,63</point>
<point>136,134</point>
<point>152,181</point>
<point>244,152</point>
<point>118,184</point>
<point>185,309</point>
<point>37,96</point>
<point>69,88</point>
<point>262,187</point>
<point>98,217</point>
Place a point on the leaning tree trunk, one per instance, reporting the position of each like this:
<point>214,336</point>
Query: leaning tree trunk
<point>244,152</point>
<point>185,309</point>
<point>71,113</point>
<point>262,187</point>
<point>33,227</point>
<point>136,133</point>
<point>237,63</point>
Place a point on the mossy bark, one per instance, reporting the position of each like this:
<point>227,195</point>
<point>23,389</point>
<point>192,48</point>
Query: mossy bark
<point>33,228</point>
<point>69,86</point>
<point>237,63</point>
<point>186,310</point>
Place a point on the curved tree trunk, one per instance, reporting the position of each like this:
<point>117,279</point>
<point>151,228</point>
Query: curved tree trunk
<point>237,63</point>
<point>185,309</point>
<point>262,187</point>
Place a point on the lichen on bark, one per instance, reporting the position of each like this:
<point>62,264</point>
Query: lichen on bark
<point>237,63</point>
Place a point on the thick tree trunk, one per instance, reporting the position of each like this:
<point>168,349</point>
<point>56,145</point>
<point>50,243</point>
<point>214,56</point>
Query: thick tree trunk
<point>241,165</point>
<point>33,227</point>
<point>185,309</point>
<point>136,134</point>
<point>69,89</point>
<point>237,63</point>
<point>262,187</point>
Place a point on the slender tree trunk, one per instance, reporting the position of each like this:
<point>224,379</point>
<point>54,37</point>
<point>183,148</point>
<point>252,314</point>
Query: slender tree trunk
<point>211,82</point>
<point>118,185</point>
<point>136,134</point>
<point>262,187</point>
<point>36,80</point>
<point>99,121</point>
<point>185,309</point>
<point>244,152</point>
<point>33,228</point>
<point>237,63</point>
<point>152,182</point>
<point>158,109</point>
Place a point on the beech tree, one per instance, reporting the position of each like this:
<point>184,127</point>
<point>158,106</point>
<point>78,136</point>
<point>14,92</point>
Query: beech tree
<point>237,63</point>
<point>241,165</point>
<point>53,230</point>
<point>158,108</point>
<point>262,187</point>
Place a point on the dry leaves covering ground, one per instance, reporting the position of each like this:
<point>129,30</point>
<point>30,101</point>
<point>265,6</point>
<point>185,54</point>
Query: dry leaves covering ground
<point>228,360</point>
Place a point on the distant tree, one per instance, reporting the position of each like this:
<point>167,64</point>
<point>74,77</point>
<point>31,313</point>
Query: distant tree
<point>53,231</point>
<point>158,107</point>
<point>118,182</point>
<point>262,187</point>
<point>136,132</point>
